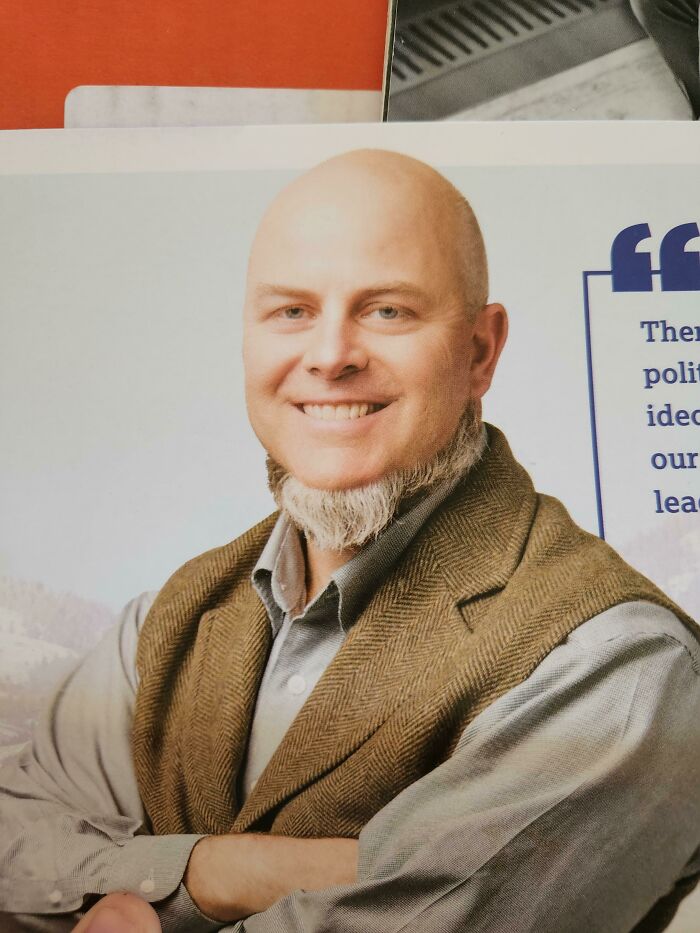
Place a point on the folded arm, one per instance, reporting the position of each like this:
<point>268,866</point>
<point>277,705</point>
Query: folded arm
<point>572,803</point>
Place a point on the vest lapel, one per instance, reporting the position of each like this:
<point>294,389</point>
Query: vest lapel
<point>230,656</point>
<point>395,648</point>
<point>200,657</point>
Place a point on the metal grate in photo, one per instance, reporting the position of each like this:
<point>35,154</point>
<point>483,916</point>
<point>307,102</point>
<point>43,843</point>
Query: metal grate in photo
<point>449,56</point>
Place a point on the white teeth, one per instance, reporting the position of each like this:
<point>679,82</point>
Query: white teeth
<point>340,412</point>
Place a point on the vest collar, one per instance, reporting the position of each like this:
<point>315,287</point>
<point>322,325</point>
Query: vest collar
<point>478,536</point>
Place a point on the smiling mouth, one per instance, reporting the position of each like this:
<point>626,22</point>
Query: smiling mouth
<point>341,412</point>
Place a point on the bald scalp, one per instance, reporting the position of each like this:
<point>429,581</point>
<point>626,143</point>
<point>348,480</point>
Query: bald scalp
<point>442,208</point>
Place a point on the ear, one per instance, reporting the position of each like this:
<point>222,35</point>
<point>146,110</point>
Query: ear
<point>489,333</point>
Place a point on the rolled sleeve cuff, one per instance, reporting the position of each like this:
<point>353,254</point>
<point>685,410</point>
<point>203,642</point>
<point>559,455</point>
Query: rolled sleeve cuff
<point>179,914</point>
<point>150,866</point>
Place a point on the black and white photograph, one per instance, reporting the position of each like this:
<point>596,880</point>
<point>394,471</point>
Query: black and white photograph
<point>545,60</point>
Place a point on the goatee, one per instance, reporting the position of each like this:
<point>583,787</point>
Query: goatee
<point>343,519</point>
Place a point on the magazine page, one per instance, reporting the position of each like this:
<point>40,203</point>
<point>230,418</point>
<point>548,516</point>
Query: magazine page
<point>202,325</point>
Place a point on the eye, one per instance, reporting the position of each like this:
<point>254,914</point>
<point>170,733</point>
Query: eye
<point>295,313</point>
<point>386,313</point>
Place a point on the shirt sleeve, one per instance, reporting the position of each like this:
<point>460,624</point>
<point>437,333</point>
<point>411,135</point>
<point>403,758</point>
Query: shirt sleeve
<point>572,803</point>
<point>71,819</point>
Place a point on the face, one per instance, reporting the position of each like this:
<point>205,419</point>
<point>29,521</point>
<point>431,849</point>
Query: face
<point>359,353</point>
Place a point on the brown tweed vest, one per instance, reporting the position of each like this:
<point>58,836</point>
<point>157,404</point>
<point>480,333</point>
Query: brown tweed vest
<point>497,577</point>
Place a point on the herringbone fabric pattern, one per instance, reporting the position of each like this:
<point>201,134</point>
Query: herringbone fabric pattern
<point>497,577</point>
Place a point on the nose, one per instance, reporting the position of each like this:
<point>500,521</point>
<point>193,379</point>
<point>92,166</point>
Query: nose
<point>335,348</point>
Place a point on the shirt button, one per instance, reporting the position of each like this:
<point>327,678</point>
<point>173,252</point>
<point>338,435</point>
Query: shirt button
<point>296,684</point>
<point>56,896</point>
<point>148,886</point>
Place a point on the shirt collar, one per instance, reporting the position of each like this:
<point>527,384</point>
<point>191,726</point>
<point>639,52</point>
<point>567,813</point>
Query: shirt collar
<point>279,574</point>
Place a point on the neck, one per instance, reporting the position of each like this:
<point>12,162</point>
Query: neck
<point>320,565</point>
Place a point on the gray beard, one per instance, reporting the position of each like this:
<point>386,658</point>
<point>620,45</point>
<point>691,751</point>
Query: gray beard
<point>341,519</point>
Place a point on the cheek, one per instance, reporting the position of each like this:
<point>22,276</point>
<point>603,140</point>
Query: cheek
<point>443,385</point>
<point>265,366</point>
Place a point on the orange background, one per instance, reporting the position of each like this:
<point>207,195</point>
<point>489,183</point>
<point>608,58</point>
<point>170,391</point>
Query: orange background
<point>48,47</point>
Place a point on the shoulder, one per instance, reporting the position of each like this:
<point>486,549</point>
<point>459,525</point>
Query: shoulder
<point>627,680</point>
<point>563,561</point>
<point>639,622</point>
<point>634,663</point>
<point>128,629</point>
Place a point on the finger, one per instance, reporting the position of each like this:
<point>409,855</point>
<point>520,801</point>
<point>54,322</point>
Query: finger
<point>120,913</point>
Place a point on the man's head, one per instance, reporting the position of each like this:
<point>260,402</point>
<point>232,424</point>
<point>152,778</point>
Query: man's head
<point>367,334</point>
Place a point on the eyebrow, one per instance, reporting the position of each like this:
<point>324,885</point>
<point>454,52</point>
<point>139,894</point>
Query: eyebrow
<point>406,289</point>
<point>282,291</point>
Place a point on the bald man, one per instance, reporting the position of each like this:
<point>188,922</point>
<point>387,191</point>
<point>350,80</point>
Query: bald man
<point>416,698</point>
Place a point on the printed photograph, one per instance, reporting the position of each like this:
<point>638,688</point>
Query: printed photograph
<point>350,529</point>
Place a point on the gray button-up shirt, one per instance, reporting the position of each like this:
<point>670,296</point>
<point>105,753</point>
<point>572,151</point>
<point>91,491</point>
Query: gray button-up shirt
<point>570,804</point>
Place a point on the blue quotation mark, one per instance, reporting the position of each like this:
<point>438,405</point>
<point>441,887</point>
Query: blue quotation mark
<point>680,268</point>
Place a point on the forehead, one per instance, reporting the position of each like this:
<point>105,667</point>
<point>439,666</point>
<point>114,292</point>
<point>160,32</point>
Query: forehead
<point>355,227</point>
